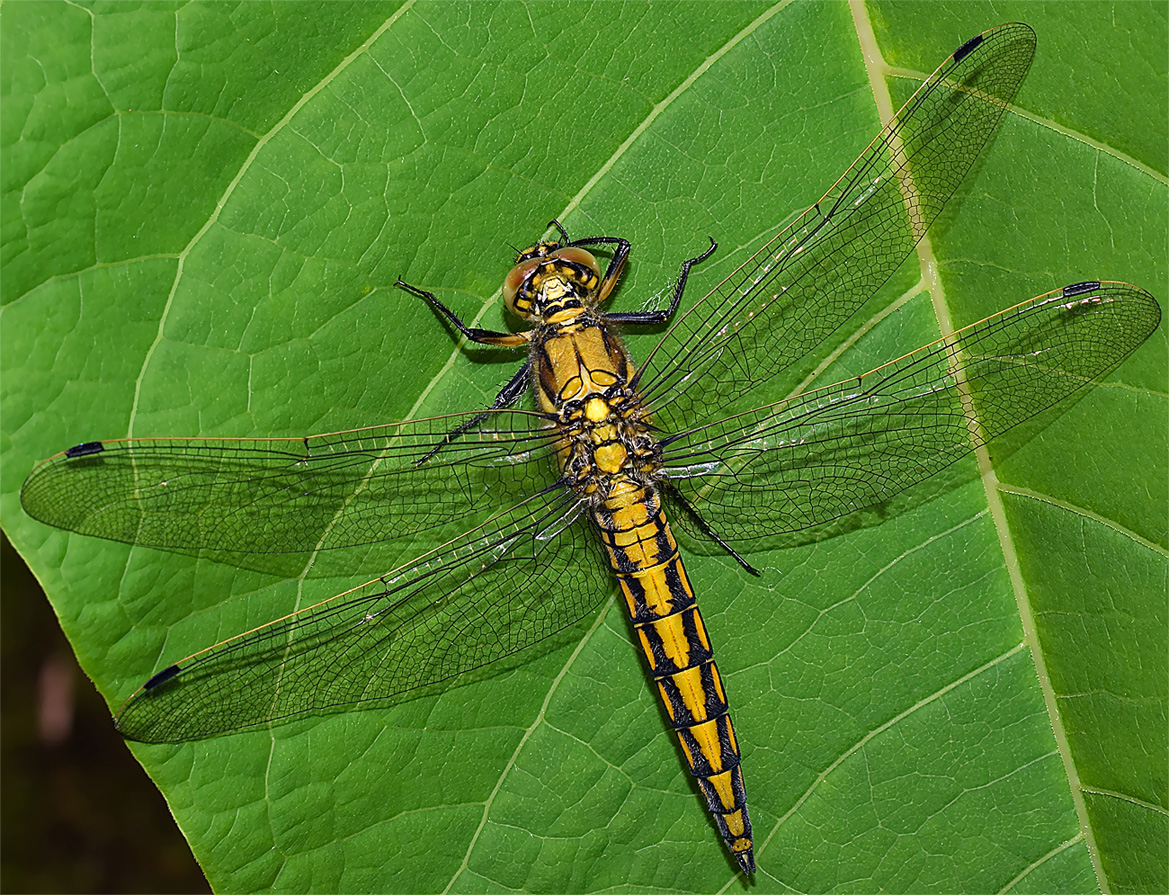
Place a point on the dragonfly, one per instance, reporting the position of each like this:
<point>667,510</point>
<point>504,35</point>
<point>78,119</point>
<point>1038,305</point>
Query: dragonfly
<point>527,514</point>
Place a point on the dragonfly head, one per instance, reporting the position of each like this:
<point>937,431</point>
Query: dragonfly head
<point>549,277</point>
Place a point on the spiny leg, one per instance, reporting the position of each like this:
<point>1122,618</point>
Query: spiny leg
<point>704,526</point>
<point>663,316</point>
<point>507,396</point>
<point>475,334</point>
<point>616,263</point>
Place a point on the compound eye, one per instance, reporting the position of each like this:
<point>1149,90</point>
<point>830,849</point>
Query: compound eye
<point>511,287</point>
<point>579,256</point>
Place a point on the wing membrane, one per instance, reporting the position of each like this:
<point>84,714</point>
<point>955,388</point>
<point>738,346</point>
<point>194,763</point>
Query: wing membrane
<point>809,279</point>
<point>529,572</point>
<point>842,448</point>
<point>293,495</point>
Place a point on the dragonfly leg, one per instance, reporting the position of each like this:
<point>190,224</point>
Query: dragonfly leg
<point>563,233</point>
<point>474,333</point>
<point>507,396</point>
<point>616,263</point>
<point>644,317</point>
<point>704,526</point>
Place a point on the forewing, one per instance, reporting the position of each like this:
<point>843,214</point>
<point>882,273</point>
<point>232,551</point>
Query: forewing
<point>809,279</point>
<point>530,571</point>
<point>829,452</point>
<point>294,495</point>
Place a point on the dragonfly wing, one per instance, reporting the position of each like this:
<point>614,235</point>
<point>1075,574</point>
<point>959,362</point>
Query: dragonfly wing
<point>805,282</point>
<point>528,572</point>
<point>294,495</point>
<point>824,454</point>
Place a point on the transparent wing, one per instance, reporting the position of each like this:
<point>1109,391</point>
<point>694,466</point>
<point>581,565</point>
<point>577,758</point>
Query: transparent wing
<point>849,446</point>
<point>528,572</point>
<point>810,278</point>
<point>294,495</point>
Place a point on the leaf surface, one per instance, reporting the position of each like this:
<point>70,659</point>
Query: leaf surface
<point>205,208</point>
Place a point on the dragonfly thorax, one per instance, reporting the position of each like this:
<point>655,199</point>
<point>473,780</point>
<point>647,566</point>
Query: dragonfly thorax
<point>583,381</point>
<point>606,444</point>
<point>550,282</point>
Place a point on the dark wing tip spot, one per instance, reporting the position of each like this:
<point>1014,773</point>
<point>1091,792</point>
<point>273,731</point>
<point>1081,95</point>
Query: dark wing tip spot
<point>967,48</point>
<point>84,450</point>
<point>161,678</point>
<point>1080,288</point>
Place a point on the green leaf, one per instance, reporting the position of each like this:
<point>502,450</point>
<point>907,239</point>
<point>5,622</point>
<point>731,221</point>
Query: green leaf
<point>205,208</point>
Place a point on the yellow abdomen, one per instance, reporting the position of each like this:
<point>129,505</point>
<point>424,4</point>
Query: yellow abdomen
<point>677,652</point>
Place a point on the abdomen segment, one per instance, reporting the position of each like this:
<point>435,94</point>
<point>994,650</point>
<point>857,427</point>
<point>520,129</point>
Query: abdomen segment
<point>677,651</point>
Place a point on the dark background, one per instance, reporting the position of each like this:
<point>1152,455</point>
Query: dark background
<point>77,812</point>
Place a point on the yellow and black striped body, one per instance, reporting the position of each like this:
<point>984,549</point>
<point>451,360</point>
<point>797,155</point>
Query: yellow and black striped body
<point>678,653</point>
<point>607,453</point>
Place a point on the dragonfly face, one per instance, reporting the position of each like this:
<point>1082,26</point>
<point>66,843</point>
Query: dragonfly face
<point>550,280</point>
<point>527,516</point>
